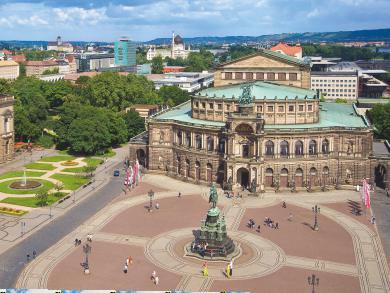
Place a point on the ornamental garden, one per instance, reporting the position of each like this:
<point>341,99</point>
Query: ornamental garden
<point>45,182</point>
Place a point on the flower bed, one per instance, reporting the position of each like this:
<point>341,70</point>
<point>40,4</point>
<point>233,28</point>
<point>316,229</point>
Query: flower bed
<point>12,212</point>
<point>69,163</point>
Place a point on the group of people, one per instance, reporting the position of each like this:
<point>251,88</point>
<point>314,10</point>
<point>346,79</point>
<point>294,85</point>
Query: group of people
<point>230,194</point>
<point>229,269</point>
<point>251,224</point>
<point>200,248</point>
<point>270,223</point>
<point>34,254</point>
<point>128,262</point>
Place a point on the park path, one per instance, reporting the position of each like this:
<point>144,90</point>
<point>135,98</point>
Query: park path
<point>371,267</point>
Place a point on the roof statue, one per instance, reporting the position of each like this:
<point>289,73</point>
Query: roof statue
<point>246,97</point>
<point>213,195</point>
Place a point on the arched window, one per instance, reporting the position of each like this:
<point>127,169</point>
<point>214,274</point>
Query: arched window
<point>179,137</point>
<point>197,170</point>
<point>325,170</point>
<point>325,146</point>
<point>198,141</point>
<point>269,177</point>
<point>188,139</point>
<point>209,172</point>
<point>312,147</point>
<point>298,177</point>
<point>284,148</point>
<point>269,148</point>
<point>210,143</point>
<point>222,145</point>
<point>299,148</point>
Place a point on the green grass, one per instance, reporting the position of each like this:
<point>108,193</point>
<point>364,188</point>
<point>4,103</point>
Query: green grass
<point>59,158</point>
<point>4,187</point>
<point>93,161</point>
<point>110,153</point>
<point>71,182</point>
<point>13,174</point>
<point>74,170</point>
<point>40,166</point>
<point>32,202</point>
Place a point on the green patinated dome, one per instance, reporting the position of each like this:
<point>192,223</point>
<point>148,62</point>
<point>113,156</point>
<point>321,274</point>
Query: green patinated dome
<point>213,212</point>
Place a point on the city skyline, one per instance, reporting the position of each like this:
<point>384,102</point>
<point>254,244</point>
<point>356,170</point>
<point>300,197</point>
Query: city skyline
<point>145,20</point>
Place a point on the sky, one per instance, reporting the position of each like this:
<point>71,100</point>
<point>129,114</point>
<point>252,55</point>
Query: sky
<point>142,20</point>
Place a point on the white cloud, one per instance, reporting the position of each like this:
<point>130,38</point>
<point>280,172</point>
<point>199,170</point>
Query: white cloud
<point>315,12</point>
<point>13,21</point>
<point>73,15</point>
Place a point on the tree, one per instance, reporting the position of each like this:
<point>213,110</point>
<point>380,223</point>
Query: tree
<point>42,196</point>
<point>5,86</point>
<point>172,95</point>
<point>135,123</point>
<point>380,117</point>
<point>55,92</point>
<point>157,65</point>
<point>89,170</point>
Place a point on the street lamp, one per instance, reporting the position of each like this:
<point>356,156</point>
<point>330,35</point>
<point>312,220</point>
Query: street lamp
<point>87,250</point>
<point>316,211</point>
<point>151,195</point>
<point>313,281</point>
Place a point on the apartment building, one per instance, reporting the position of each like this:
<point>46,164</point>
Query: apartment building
<point>335,85</point>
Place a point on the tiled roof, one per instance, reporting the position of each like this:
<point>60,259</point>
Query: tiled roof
<point>260,90</point>
<point>331,115</point>
<point>286,49</point>
<point>18,58</point>
<point>272,55</point>
<point>41,63</point>
<point>8,63</point>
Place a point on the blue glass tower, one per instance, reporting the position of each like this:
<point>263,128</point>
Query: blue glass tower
<point>125,53</point>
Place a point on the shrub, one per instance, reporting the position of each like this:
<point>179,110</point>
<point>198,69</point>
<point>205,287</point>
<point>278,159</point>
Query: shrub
<point>45,141</point>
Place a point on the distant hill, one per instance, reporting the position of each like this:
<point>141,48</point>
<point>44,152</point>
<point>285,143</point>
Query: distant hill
<point>343,36</point>
<point>31,44</point>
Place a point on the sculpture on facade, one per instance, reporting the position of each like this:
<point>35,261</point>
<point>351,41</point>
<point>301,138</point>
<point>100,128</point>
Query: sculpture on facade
<point>246,97</point>
<point>253,185</point>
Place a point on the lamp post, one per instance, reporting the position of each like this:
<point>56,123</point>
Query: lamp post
<point>151,195</point>
<point>316,211</point>
<point>313,282</point>
<point>87,250</point>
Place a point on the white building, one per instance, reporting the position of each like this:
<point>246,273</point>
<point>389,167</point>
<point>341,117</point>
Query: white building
<point>176,50</point>
<point>9,69</point>
<point>60,46</point>
<point>335,85</point>
<point>187,81</point>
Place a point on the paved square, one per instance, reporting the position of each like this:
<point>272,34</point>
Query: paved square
<point>345,253</point>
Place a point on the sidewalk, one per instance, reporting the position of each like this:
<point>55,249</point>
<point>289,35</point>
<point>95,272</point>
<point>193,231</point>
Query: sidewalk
<point>15,229</point>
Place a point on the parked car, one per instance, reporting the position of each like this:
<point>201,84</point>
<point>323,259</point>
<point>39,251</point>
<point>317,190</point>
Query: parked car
<point>116,173</point>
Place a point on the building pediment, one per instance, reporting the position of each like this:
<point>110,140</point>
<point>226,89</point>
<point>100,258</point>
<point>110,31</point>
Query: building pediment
<point>258,62</point>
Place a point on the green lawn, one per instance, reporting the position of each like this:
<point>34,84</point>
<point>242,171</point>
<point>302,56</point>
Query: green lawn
<point>71,182</point>
<point>13,174</point>
<point>32,201</point>
<point>59,158</point>
<point>74,170</point>
<point>93,161</point>
<point>109,153</point>
<point>40,166</point>
<point>4,187</point>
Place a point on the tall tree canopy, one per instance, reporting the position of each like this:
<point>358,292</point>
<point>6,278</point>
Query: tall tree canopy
<point>380,117</point>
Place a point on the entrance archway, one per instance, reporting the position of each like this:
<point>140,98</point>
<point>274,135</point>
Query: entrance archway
<point>269,177</point>
<point>299,177</point>
<point>284,178</point>
<point>380,175</point>
<point>141,157</point>
<point>243,177</point>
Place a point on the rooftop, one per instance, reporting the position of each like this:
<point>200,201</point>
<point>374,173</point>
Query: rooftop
<point>41,63</point>
<point>260,90</point>
<point>287,49</point>
<point>331,115</point>
<point>334,73</point>
<point>8,63</point>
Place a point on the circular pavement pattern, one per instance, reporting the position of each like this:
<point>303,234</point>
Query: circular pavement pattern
<point>267,257</point>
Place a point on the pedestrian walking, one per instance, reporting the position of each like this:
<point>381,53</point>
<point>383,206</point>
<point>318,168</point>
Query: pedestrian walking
<point>28,257</point>
<point>231,267</point>
<point>34,253</point>
<point>205,270</point>
<point>125,269</point>
<point>130,260</point>
<point>154,275</point>
<point>290,217</point>
<point>228,271</point>
<point>258,229</point>
<point>276,225</point>
<point>156,280</point>
<point>127,261</point>
<point>284,205</point>
<point>157,206</point>
<point>179,195</point>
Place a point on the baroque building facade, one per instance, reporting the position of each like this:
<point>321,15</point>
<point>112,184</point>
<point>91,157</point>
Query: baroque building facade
<point>264,65</point>
<point>7,133</point>
<point>284,138</point>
